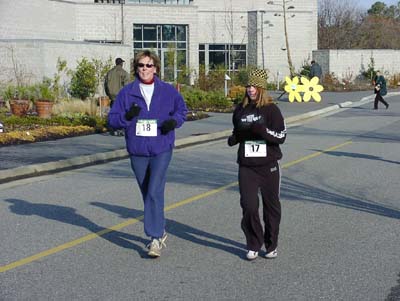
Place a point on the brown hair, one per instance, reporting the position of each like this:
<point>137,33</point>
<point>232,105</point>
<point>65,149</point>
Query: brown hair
<point>150,54</point>
<point>262,98</point>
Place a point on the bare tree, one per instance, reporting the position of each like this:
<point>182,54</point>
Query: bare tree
<point>338,21</point>
<point>378,32</point>
<point>18,72</point>
<point>343,25</point>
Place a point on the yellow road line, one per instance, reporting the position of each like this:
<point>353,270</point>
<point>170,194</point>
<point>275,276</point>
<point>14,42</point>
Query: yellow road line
<point>316,154</point>
<point>132,221</point>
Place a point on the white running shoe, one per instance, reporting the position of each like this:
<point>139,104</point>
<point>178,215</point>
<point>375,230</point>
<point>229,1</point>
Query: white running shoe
<point>272,254</point>
<point>155,248</point>
<point>156,245</point>
<point>251,255</point>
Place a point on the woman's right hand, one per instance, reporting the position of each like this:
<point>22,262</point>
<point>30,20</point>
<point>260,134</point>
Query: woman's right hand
<point>232,140</point>
<point>133,112</point>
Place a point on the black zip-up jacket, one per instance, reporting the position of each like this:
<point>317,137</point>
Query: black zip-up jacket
<point>253,124</point>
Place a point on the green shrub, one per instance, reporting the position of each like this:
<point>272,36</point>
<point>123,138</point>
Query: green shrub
<point>83,81</point>
<point>213,80</point>
<point>241,76</point>
<point>11,92</point>
<point>43,91</point>
<point>370,73</point>
<point>197,99</point>
<point>305,69</point>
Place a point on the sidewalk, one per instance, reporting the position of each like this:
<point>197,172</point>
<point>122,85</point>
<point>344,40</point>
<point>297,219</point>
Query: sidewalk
<point>28,160</point>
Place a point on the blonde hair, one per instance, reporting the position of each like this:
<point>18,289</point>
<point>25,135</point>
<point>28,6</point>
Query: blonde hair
<point>262,98</point>
<point>151,55</point>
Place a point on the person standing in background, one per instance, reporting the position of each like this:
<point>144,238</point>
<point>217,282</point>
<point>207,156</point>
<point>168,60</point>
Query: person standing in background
<point>149,110</point>
<point>315,70</point>
<point>259,128</point>
<point>114,80</point>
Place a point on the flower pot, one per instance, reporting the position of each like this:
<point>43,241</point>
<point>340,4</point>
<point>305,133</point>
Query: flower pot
<point>44,108</point>
<point>19,107</point>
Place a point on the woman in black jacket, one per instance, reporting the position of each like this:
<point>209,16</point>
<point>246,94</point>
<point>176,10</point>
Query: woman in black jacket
<point>259,128</point>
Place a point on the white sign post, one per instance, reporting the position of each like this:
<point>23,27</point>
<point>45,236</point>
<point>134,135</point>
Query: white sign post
<point>226,84</point>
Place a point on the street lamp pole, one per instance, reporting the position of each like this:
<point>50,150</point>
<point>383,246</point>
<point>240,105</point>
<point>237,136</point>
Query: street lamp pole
<point>122,21</point>
<point>262,38</point>
<point>283,5</point>
<point>291,69</point>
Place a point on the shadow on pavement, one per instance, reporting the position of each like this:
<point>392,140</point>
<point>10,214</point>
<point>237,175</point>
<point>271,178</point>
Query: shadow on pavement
<point>291,190</point>
<point>183,231</point>
<point>69,215</point>
<point>357,155</point>
<point>394,292</point>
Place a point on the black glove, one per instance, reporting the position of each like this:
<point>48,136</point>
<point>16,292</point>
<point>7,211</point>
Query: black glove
<point>259,129</point>
<point>232,140</point>
<point>167,126</point>
<point>133,112</point>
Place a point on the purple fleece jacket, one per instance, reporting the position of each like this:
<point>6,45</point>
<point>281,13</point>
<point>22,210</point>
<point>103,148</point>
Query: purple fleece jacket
<point>166,103</point>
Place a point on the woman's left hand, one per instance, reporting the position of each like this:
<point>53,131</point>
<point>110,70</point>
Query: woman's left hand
<point>168,125</point>
<point>259,129</point>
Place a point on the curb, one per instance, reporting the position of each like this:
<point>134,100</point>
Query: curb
<point>82,161</point>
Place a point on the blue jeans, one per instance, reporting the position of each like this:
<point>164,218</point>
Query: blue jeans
<point>151,174</point>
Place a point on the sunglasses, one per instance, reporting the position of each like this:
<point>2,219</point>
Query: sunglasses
<point>141,65</point>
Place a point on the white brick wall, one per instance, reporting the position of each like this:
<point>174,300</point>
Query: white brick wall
<point>39,58</point>
<point>37,19</point>
<point>252,4</point>
<point>81,20</point>
<point>351,62</point>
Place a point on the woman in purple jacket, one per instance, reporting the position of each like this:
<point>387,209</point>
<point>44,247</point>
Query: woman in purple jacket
<point>149,110</point>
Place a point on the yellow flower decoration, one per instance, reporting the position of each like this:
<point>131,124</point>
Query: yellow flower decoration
<point>311,89</point>
<point>293,88</point>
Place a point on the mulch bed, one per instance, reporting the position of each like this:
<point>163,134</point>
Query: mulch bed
<point>21,134</point>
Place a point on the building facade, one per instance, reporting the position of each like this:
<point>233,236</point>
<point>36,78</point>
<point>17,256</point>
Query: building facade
<point>185,34</point>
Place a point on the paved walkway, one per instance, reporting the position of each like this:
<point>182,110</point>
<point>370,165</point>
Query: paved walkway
<point>25,160</point>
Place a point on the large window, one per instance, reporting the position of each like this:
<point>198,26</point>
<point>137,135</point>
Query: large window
<point>230,56</point>
<point>171,44</point>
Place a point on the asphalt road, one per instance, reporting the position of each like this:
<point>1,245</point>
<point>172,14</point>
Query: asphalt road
<point>339,233</point>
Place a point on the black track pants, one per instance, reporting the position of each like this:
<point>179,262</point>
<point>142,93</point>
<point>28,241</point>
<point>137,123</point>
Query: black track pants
<point>379,98</point>
<point>267,180</point>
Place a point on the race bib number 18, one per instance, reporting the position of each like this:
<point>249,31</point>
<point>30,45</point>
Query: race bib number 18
<point>146,127</point>
<point>255,149</point>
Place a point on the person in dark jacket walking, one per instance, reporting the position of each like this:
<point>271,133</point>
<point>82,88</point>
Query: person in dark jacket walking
<point>380,90</point>
<point>149,110</point>
<point>259,128</point>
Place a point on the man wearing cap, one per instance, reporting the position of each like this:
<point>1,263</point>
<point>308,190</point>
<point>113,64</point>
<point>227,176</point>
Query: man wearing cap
<point>115,79</point>
<point>259,128</point>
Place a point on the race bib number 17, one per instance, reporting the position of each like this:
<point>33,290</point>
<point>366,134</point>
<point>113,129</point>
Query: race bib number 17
<point>146,127</point>
<point>255,149</point>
